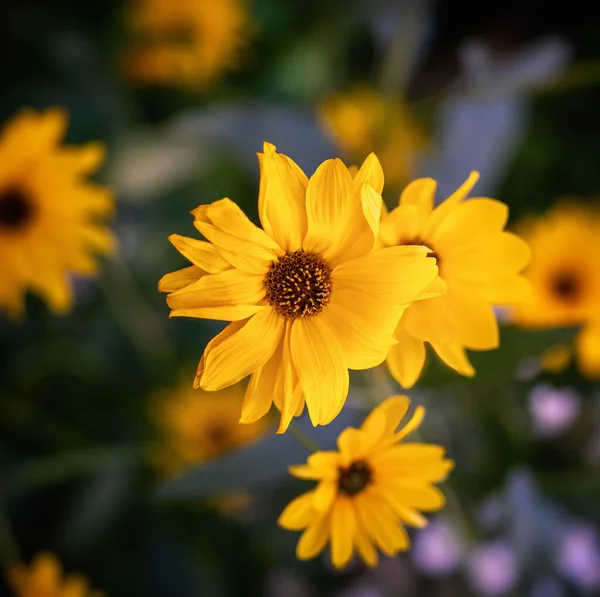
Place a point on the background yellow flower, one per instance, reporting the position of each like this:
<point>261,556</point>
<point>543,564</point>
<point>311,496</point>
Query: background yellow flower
<point>50,214</point>
<point>185,43</point>
<point>368,489</point>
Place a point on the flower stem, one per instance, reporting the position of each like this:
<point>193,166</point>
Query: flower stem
<point>303,439</point>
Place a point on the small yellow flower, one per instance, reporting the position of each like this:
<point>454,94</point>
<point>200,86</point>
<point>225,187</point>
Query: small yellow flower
<point>186,43</point>
<point>369,489</point>
<point>361,121</point>
<point>199,426</point>
<point>308,296</point>
<point>478,261</point>
<point>44,578</point>
<point>564,271</point>
<point>49,212</point>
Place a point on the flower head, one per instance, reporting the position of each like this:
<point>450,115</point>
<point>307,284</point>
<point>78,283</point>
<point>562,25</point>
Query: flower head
<point>360,121</point>
<point>368,489</point>
<point>307,295</point>
<point>478,261</point>
<point>44,578</point>
<point>49,212</point>
<point>199,426</point>
<point>185,43</point>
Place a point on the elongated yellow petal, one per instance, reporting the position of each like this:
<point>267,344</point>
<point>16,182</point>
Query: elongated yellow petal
<point>299,513</point>
<point>343,532</point>
<point>313,540</point>
<point>364,545</point>
<point>200,253</point>
<point>225,313</point>
<point>419,192</point>
<point>180,279</point>
<point>406,359</point>
<point>241,354</point>
<point>392,409</point>
<point>324,495</point>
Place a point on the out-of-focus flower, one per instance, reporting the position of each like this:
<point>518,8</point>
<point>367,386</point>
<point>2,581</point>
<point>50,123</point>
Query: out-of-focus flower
<point>578,557</point>
<point>361,121</point>
<point>547,587</point>
<point>564,270</point>
<point>49,213</point>
<point>185,43</point>
<point>308,296</point>
<point>368,489</point>
<point>587,349</point>
<point>44,578</point>
<point>492,569</point>
<point>553,410</point>
<point>438,549</point>
<point>198,426</point>
<point>478,261</point>
<point>556,358</point>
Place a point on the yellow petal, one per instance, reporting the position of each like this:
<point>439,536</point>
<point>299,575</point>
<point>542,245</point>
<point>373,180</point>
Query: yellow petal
<point>243,352</point>
<point>455,357</point>
<point>200,253</point>
<point>413,424</point>
<point>419,192</point>
<point>324,495</point>
<point>180,279</point>
<point>225,313</point>
<point>281,199</point>
<point>319,363</point>
<point>416,496</point>
<point>587,348</point>
<point>371,173</point>
<point>500,291</point>
<point>298,514</point>
<point>313,540</point>
<point>343,531</point>
<point>350,445</point>
<point>475,324</point>
<point>320,465</point>
<point>406,359</point>
<point>291,393</point>
<point>364,545</point>
<point>393,409</point>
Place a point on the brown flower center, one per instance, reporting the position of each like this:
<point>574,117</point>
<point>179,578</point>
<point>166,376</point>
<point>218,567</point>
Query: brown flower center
<point>16,209</point>
<point>422,243</point>
<point>566,286</point>
<point>355,478</point>
<point>299,285</point>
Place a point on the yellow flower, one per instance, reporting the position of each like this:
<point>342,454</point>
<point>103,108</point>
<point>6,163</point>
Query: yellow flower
<point>361,121</point>
<point>368,489</point>
<point>44,579</point>
<point>48,211</point>
<point>307,295</point>
<point>587,349</point>
<point>564,271</point>
<point>200,426</point>
<point>186,43</point>
<point>478,261</point>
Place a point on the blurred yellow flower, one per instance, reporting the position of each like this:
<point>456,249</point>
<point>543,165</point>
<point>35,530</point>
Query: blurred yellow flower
<point>199,426</point>
<point>308,296</point>
<point>564,271</point>
<point>368,489</point>
<point>587,349</point>
<point>186,43</point>
<point>478,261</point>
<point>361,121</point>
<point>49,213</point>
<point>44,578</point>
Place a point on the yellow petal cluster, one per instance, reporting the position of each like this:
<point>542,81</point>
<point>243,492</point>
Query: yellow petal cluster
<point>360,121</point>
<point>479,262</point>
<point>369,489</point>
<point>185,43</point>
<point>308,294</point>
<point>198,426</point>
<point>51,216</point>
<point>44,578</point>
<point>564,274</point>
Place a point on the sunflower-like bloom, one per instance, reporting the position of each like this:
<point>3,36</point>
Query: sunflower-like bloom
<point>307,295</point>
<point>478,261</point>
<point>368,489</point>
<point>564,274</point>
<point>186,43</point>
<point>44,578</point>
<point>49,212</point>
<point>198,428</point>
<point>361,121</point>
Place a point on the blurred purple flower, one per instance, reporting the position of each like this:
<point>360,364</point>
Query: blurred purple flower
<point>492,569</point>
<point>553,410</point>
<point>547,587</point>
<point>438,549</point>
<point>578,557</point>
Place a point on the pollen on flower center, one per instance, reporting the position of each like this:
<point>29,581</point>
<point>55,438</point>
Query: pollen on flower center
<point>15,209</point>
<point>566,286</point>
<point>354,478</point>
<point>299,285</point>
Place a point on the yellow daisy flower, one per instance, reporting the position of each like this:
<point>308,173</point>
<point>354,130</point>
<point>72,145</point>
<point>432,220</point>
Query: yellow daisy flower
<point>361,121</point>
<point>368,489</point>
<point>184,43</point>
<point>199,426</point>
<point>308,296</point>
<point>478,261</point>
<point>44,578</point>
<point>49,212</point>
<point>564,271</point>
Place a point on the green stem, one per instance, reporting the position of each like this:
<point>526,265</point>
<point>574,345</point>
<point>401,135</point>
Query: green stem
<point>303,439</point>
